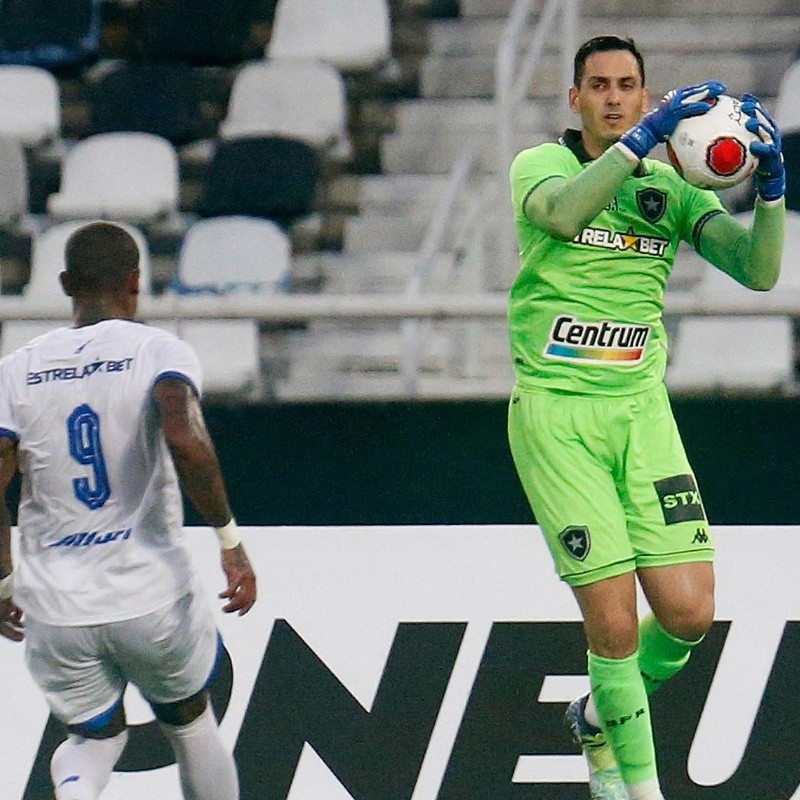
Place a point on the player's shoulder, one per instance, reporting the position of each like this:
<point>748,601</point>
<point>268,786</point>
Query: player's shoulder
<point>547,152</point>
<point>21,353</point>
<point>141,333</point>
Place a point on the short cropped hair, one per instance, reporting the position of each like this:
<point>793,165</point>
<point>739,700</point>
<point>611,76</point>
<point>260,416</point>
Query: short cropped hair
<point>604,44</point>
<point>99,257</point>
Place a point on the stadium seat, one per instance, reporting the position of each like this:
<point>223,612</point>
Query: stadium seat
<point>354,36</point>
<point>229,354</point>
<point>732,353</point>
<point>122,176</point>
<point>29,104</point>
<point>264,101</point>
<point>47,262</point>
<point>199,32</point>
<point>47,259</point>
<point>233,254</point>
<point>270,176</point>
<point>787,104</point>
<point>13,182</point>
<point>42,33</point>
<point>149,97</point>
<point>221,256</point>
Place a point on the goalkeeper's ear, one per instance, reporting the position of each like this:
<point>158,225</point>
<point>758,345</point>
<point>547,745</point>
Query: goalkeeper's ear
<point>645,100</point>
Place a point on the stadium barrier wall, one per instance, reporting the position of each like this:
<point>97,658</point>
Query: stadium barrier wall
<point>448,462</point>
<point>435,663</point>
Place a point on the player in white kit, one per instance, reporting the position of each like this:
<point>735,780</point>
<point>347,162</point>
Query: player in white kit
<point>103,420</point>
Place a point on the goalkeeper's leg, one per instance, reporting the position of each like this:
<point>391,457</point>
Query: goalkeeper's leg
<point>618,690</point>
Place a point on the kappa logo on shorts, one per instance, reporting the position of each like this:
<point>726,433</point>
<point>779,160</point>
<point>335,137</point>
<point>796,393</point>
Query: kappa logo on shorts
<point>576,540</point>
<point>700,537</point>
<point>680,499</point>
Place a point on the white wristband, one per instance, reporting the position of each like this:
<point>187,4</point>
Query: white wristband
<point>228,535</point>
<point>7,587</point>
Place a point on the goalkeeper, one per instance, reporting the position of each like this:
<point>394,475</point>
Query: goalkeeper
<point>590,426</point>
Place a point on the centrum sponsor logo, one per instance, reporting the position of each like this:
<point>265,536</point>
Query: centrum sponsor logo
<point>614,240</point>
<point>597,342</point>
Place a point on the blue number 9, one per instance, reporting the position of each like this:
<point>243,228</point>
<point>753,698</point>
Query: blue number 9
<point>83,432</point>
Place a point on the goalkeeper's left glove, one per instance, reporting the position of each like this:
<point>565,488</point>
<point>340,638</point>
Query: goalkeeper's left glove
<point>655,127</point>
<point>770,172</point>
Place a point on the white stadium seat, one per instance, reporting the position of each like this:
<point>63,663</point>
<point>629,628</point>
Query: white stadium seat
<point>787,106</point>
<point>732,353</point>
<point>120,176</point>
<point>237,253</point>
<point>264,101</point>
<point>353,35</point>
<point>47,262</point>
<point>30,105</point>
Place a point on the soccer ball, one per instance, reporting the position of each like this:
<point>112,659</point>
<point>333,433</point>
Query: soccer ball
<point>712,151</point>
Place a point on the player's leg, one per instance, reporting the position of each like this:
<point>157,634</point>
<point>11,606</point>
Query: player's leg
<point>564,451</point>
<point>172,670</point>
<point>84,692</point>
<point>682,599</point>
<point>618,704</point>
<point>82,764</point>
<point>672,539</point>
<point>207,769</point>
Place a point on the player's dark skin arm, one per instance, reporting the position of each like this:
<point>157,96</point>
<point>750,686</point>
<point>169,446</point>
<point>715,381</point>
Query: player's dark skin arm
<point>199,472</point>
<point>10,614</point>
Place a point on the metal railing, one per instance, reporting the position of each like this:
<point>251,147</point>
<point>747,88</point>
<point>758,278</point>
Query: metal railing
<point>413,331</point>
<point>513,77</point>
<point>781,301</point>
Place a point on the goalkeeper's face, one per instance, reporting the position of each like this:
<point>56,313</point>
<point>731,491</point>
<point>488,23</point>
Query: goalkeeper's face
<point>610,98</point>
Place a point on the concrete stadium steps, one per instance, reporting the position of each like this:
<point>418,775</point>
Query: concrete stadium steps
<point>465,115</point>
<point>473,75</point>
<point>369,272</point>
<point>627,9</point>
<point>389,194</point>
<point>436,152</point>
<point>334,360</point>
<point>686,34</point>
<point>430,134</point>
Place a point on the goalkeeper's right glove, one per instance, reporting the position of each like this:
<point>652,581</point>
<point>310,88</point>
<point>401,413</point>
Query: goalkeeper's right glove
<point>655,127</point>
<point>770,172</point>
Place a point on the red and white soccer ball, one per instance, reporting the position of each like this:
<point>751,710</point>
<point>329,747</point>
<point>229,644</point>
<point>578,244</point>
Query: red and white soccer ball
<point>712,151</point>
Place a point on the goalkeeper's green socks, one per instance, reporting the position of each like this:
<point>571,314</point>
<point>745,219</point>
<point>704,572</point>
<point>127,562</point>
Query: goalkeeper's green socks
<point>622,706</point>
<point>661,654</point>
<point>619,700</point>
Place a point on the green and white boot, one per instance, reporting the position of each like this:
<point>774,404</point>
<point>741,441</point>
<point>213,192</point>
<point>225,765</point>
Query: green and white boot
<point>605,780</point>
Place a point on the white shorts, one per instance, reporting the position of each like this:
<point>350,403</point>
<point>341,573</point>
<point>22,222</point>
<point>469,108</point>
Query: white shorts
<point>83,671</point>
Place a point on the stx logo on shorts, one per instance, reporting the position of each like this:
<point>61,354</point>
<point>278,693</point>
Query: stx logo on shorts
<point>576,540</point>
<point>680,499</point>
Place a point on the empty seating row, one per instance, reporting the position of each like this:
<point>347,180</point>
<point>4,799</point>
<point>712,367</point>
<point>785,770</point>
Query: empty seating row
<point>218,256</point>
<point>135,177</point>
<point>351,34</point>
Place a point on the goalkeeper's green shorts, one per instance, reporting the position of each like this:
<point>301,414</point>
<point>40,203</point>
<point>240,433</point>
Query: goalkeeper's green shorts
<point>608,481</point>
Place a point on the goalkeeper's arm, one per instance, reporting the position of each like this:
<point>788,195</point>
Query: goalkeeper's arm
<point>563,207</point>
<point>752,256</point>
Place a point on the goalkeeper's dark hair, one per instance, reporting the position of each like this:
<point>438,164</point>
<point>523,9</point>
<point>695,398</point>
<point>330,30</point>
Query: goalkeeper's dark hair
<point>604,44</point>
<point>99,256</point>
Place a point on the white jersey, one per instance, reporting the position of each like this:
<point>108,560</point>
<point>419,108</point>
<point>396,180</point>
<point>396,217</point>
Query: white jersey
<point>100,515</point>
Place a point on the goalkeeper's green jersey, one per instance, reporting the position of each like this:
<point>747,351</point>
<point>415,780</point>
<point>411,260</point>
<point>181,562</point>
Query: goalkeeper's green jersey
<point>585,316</point>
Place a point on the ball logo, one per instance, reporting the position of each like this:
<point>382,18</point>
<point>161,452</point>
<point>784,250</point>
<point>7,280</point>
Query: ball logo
<point>726,156</point>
